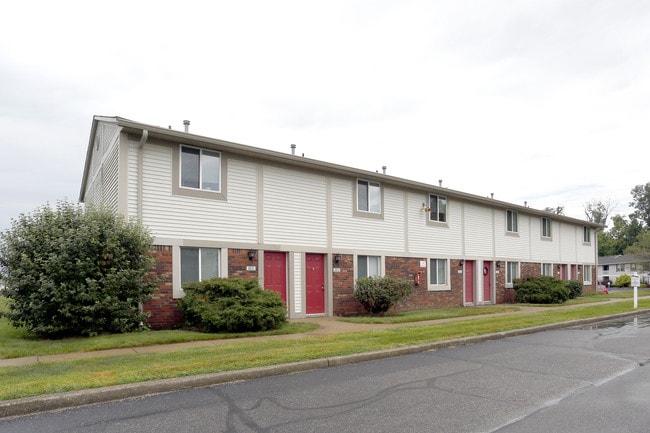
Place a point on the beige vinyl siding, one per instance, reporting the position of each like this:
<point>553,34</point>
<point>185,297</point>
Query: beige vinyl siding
<point>132,191</point>
<point>361,233</point>
<point>479,229</point>
<point>512,244</point>
<point>297,283</point>
<point>102,185</point>
<point>567,242</point>
<point>110,175</point>
<point>544,249</point>
<point>170,216</point>
<point>433,239</point>
<point>295,211</point>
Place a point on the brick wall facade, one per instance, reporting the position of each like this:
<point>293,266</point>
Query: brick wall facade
<point>239,263</point>
<point>165,314</point>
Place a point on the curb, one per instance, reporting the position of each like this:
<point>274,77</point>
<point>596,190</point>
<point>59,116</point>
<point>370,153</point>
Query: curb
<point>65,400</point>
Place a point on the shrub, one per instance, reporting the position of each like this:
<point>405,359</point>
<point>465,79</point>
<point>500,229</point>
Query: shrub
<point>232,305</point>
<point>73,272</point>
<point>623,281</point>
<point>540,290</point>
<point>378,295</point>
<point>575,288</point>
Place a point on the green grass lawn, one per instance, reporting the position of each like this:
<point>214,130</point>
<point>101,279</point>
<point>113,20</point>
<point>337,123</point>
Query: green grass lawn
<point>237,353</point>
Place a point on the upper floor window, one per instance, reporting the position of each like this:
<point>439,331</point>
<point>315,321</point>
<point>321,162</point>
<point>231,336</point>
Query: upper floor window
<point>546,227</point>
<point>200,169</point>
<point>438,271</point>
<point>438,208</point>
<point>368,196</point>
<point>511,221</point>
<point>198,264</point>
<point>368,266</point>
<point>586,234</point>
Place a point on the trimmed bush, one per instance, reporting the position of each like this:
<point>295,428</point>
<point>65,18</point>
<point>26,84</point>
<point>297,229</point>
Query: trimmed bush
<point>623,281</point>
<point>575,288</point>
<point>540,290</point>
<point>232,305</point>
<point>378,295</point>
<point>75,272</point>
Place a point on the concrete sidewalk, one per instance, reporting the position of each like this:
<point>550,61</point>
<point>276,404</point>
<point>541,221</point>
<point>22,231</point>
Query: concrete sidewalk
<point>327,325</point>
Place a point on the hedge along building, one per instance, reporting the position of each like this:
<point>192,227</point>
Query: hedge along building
<point>307,228</point>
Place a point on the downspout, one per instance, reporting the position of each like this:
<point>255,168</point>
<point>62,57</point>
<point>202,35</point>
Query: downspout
<point>143,140</point>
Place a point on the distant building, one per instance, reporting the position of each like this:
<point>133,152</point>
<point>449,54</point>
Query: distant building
<point>308,229</point>
<point>612,267</point>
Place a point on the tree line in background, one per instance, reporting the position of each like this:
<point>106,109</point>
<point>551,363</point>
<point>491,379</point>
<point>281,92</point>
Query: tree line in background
<point>627,234</point>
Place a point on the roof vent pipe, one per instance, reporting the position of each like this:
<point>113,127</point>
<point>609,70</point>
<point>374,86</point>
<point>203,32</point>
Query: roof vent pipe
<point>439,182</point>
<point>187,125</point>
<point>491,195</point>
<point>293,149</point>
<point>383,168</point>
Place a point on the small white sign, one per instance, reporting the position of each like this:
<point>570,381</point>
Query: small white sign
<point>336,270</point>
<point>636,280</point>
<point>251,268</point>
<point>423,263</point>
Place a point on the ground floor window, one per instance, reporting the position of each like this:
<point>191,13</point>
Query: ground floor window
<point>368,266</point>
<point>438,271</point>
<point>512,272</point>
<point>198,264</point>
<point>586,274</point>
<point>547,269</point>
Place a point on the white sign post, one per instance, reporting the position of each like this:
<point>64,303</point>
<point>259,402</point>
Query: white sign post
<point>636,282</point>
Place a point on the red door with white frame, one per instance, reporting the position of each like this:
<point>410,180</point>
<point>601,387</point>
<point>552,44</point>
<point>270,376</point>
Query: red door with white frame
<point>468,270</point>
<point>487,282</point>
<point>315,283</point>
<point>275,273</point>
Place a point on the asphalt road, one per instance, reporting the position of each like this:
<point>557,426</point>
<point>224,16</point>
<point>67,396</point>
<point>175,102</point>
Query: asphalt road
<point>593,379</point>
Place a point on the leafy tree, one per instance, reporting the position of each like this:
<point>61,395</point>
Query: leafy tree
<point>641,202</point>
<point>597,211</point>
<point>622,235</point>
<point>73,272</point>
<point>642,245</point>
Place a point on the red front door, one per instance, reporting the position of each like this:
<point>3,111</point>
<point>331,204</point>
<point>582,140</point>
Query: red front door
<point>468,268</point>
<point>487,281</point>
<point>315,281</point>
<point>275,273</point>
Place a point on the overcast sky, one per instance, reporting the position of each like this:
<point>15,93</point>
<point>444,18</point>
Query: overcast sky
<point>544,101</point>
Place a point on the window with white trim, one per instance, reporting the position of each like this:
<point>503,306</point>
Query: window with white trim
<point>511,221</point>
<point>546,227</point>
<point>200,169</point>
<point>199,264</point>
<point>437,208</point>
<point>512,272</point>
<point>586,235</point>
<point>586,274</point>
<point>547,269</point>
<point>368,266</point>
<point>368,196</point>
<point>438,272</point>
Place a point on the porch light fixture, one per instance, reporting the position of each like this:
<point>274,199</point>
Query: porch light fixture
<point>251,255</point>
<point>498,265</point>
<point>461,263</point>
<point>337,258</point>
